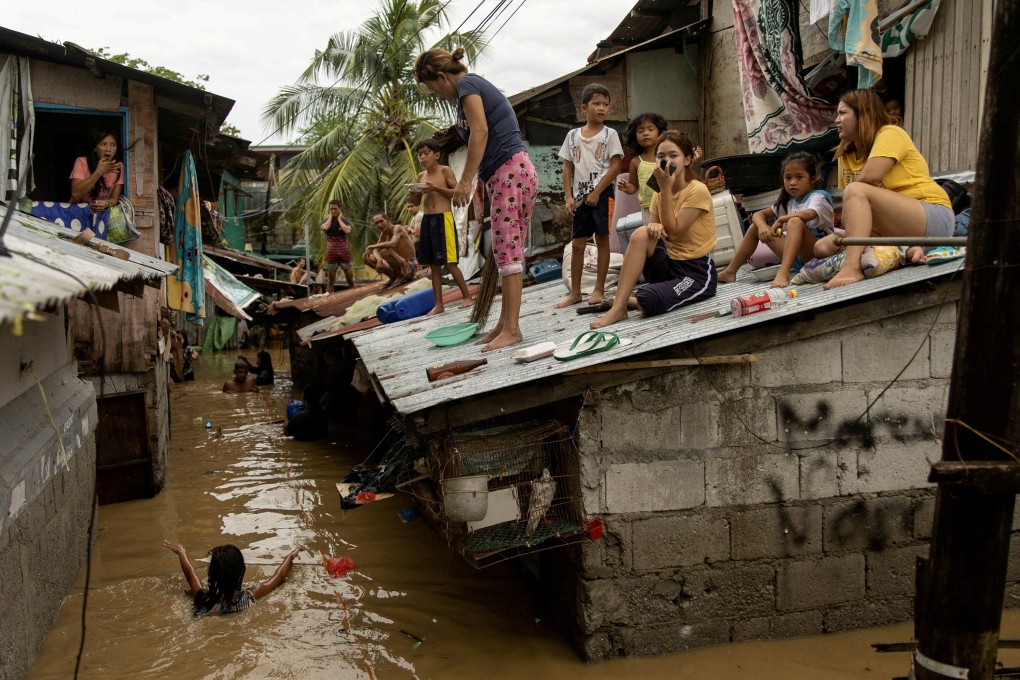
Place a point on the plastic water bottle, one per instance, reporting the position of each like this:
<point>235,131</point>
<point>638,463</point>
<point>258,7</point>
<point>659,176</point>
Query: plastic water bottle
<point>208,425</point>
<point>759,302</point>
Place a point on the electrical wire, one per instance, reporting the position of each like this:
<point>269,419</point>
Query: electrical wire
<point>846,429</point>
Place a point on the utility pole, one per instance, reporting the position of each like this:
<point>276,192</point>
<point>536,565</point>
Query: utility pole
<point>961,588</point>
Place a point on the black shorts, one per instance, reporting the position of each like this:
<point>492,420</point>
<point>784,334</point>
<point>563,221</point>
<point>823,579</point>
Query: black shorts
<point>437,243</point>
<point>590,220</point>
<point>674,283</point>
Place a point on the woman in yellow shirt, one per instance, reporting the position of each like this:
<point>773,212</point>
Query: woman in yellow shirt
<point>674,250</point>
<point>887,188</point>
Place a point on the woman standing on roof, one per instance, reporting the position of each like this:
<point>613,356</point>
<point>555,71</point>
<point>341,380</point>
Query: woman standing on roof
<point>887,187</point>
<point>496,154</point>
<point>98,177</point>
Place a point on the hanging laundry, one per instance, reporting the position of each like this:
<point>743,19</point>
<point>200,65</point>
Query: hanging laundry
<point>186,289</point>
<point>853,30</point>
<point>779,110</point>
<point>17,127</point>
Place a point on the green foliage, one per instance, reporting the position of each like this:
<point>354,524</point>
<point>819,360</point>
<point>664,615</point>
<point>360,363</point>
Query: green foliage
<point>140,64</point>
<point>230,129</point>
<point>360,112</point>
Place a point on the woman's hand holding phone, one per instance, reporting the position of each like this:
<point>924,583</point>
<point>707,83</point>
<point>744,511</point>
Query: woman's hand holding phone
<point>660,175</point>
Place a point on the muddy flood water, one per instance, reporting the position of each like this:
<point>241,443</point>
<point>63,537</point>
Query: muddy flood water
<point>242,482</point>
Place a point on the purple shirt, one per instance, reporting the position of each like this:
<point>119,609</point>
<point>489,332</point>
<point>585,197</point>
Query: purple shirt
<point>504,133</point>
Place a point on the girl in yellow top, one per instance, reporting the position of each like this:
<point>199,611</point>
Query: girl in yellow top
<point>640,139</point>
<point>674,250</point>
<point>887,188</point>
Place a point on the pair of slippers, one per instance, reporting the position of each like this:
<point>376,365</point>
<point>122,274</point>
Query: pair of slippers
<point>588,343</point>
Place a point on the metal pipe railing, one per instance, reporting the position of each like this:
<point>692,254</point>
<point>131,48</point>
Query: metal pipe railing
<point>841,240</point>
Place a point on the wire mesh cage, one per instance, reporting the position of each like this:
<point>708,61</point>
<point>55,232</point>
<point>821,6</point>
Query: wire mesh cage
<point>532,492</point>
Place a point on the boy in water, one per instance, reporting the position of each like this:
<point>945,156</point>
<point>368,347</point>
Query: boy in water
<point>438,241</point>
<point>241,382</point>
<point>591,160</point>
<point>393,253</point>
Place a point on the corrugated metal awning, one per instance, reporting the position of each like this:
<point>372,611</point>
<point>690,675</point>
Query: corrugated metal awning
<point>31,279</point>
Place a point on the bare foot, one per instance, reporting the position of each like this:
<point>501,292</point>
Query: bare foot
<point>844,278</point>
<point>609,318</point>
<point>571,299</point>
<point>726,276</point>
<point>468,302</point>
<point>781,281</point>
<point>502,340</point>
<point>490,336</point>
<point>596,297</point>
<point>915,255</point>
<point>436,310</point>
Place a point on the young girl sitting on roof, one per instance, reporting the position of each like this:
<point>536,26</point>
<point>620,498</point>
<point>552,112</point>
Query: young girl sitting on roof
<point>801,214</point>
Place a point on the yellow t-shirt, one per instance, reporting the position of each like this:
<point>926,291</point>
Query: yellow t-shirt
<point>699,239</point>
<point>909,176</point>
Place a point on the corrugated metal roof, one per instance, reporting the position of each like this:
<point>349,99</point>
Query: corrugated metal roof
<point>27,286</point>
<point>335,304</point>
<point>326,328</point>
<point>399,353</point>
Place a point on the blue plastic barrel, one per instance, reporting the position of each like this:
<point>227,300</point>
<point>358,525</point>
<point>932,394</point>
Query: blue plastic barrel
<point>407,307</point>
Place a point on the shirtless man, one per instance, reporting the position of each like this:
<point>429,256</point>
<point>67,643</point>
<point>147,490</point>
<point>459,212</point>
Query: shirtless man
<point>242,382</point>
<point>393,254</point>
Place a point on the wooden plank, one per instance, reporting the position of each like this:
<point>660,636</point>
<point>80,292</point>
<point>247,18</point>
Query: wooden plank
<point>668,363</point>
<point>981,477</point>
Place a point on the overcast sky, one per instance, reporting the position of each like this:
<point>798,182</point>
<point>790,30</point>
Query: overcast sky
<point>250,49</point>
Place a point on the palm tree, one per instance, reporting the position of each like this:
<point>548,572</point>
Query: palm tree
<point>361,114</point>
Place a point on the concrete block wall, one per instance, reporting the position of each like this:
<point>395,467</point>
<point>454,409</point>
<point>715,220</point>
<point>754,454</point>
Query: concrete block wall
<point>731,514</point>
<point>45,507</point>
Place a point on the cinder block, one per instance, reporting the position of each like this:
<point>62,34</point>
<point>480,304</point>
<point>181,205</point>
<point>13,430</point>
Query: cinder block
<point>868,614</point>
<point>941,346</point>
<point>655,487</point>
<point>809,584</point>
<point>776,531</point>
<point>746,422</point>
<point>677,637</point>
<point>825,473</point>
<point>868,524</point>
<point>619,539</point>
<point>894,466</point>
<point>877,352</point>
<point>601,602</point>
<point>699,425</point>
<point>794,624</point>
<point>892,573</point>
<point>752,479</point>
<point>909,412</point>
<point>598,647</point>
<point>722,591</point>
<point>820,416</point>
<point>627,430</point>
<point>666,542</point>
<point>924,516</point>
<point>815,361</point>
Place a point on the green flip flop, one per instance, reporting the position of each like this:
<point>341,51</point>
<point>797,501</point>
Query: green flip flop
<point>586,344</point>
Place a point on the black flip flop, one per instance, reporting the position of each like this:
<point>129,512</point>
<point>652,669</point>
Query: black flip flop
<point>600,308</point>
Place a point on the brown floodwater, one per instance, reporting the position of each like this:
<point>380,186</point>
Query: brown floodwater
<point>242,482</point>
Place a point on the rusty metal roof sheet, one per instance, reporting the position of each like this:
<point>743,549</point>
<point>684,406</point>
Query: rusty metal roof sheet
<point>31,280</point>
<point>397,354</point>
<point>337,303</point>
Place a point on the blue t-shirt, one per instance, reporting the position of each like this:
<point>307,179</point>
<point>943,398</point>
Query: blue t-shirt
<point>504,134</point>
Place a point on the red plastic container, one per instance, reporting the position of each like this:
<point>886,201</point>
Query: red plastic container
<point>594,529</point>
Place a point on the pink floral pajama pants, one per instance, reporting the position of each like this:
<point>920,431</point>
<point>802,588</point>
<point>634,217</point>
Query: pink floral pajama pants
<point>512,192</point>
